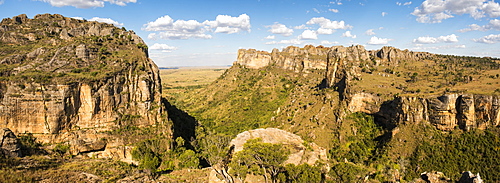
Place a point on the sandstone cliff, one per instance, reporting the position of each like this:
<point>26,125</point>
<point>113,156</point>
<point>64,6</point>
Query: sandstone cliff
<point>344,67</point>
<point>290,58</point>
<point>465,111</point>
<point>66,80</point>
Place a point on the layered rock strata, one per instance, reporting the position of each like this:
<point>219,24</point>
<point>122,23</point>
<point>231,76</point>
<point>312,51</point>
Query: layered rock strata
<point>290,58</point>
<point>446,112</point>
<point>67,80</point>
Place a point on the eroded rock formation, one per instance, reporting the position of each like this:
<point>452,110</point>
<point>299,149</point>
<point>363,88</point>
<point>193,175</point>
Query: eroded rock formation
<point>9,144</point>
<point>67,80</point>
<point>290,58</point>
<point>344,65</point>
<point>446,112</point>
<point>300,153</point>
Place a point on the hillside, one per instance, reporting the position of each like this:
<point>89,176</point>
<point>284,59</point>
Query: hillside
<point>80,101</point>
<point>380,113</point>
<point>76,88</point>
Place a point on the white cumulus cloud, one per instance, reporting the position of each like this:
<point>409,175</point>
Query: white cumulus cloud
<point>370,32</point>
<point>86,3</point>
<point>278,28</point>
<point>308,34</point>
<point>162,47</point>
<point>186,29</point>
<point>301,27</point>
<point>328,24</point>
<point>106,20</point>
<point>452,38</point>
<point>384,14</point>
<point>492,25</point>
<point>378,41</point>
<point>325,31</point>
<point>489,39</point>
<point>348,34</point>
<point>434,11</point>
<point>229,25</point>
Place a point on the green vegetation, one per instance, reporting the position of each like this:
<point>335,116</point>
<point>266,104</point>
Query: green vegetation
<point>48,57</point>
<point>458,151</point>
<point>440,74</point>
<point>223,103</point>
<point>156,155</point>
<point>360,139</point>
<point>259,158</point>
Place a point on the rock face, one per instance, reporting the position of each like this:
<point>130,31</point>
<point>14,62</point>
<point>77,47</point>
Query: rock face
<point>9,144</point>
<point>300,153</point>
<point>343,65</point>
<point>290,58</point>
<point>71,79</point>
<point>433,177</point>
<point>446,112</point>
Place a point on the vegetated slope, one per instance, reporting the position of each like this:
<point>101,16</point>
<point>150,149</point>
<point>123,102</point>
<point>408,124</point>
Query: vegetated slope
<point>380,113</point>
<point>78,83</point>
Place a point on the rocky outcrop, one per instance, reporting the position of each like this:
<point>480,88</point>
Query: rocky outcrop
<point>469,177</point>
<point>393,56</point>
<point>439,177</point>
<point>433,177</point>
<point>364,102</point>
<point>290,58</point>
<point>74,80</point>
<point>9,144</point>
<point>446,112</point>
<point>345,63</point>
<point>299,153</point>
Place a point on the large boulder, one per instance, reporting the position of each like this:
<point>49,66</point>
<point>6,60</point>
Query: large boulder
<point>302,152</point>
<point>9,144</point>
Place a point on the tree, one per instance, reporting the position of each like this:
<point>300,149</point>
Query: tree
<point>303,173</point>
<point>262,158</point>
<point>215,150</point>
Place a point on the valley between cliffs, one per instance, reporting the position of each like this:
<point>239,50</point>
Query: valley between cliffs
<point>79,98</point>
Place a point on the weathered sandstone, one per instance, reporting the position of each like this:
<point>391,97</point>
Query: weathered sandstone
<point>73,79</point>
<point>300,153</point>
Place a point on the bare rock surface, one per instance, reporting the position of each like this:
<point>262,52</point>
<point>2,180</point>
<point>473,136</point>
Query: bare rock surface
<point>299,154</point>
<point>9,144</point>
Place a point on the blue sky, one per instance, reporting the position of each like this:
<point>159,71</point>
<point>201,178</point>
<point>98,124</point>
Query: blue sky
<point>208,33</point>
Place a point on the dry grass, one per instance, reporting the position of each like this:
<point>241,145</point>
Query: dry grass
<point>180,80</point>
<point>431,79</point>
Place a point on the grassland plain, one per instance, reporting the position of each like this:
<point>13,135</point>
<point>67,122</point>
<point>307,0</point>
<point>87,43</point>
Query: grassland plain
<point>182,79</point>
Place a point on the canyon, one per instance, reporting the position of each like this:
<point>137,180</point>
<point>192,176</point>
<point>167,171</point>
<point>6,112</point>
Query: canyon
<point>344,111</point>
